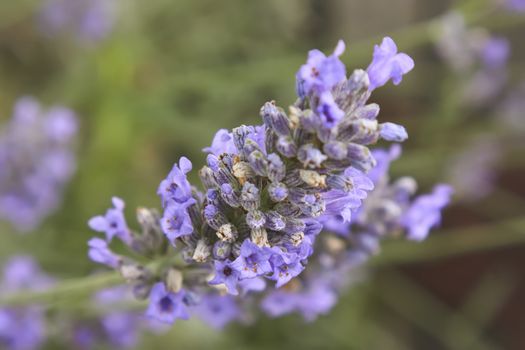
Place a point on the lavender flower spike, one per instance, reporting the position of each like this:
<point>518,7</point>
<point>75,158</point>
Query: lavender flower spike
<point>388,64</point>
<point>176,188</point>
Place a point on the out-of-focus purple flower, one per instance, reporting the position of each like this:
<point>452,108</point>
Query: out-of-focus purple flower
<point>383,159</point>
<point>253,260</point>
<point>217,311</point>
<point>37,161</point>
<point>311,301</point>
<point>176,188</point>
<point>22,328</point>
<point>495,53</point>
<point>88,20</point>
<point>22,272</point>
<point>99,252</point>
<point>515,5</point>
<point>388,64</point>
<point>166,306</point>
<point>321,73</point>
<point>425,212</point>
<point>113,223</point>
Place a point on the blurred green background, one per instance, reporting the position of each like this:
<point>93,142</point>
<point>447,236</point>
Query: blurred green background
<point>173,72</point>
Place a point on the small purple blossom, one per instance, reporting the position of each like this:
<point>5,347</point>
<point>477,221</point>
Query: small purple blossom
<point>388,64</point>
<point>225,273</point>
<point>113,223</point>
<point>328,110</point>
<point>341,203</point>
<point>176,188</point>
<point>425,212</point>
<point>222,143</point>
<point>253,260</point>
<point>176,222</point>
<point>166,306</point>
<point>285,266</point>
<point>99,252</point>
<point>393,132</point>
<point>321,73</point>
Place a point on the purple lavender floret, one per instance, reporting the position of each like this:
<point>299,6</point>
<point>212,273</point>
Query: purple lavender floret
<point>37,162</point>
<point>113,223</point>
<point>252,261</point>
<point>227,274</point>
<point>100,252</point>
<point>176,188</point>
<point>321,73</point>
<point>388,64</point>
<point>425,212</point>
<point>166,306</point>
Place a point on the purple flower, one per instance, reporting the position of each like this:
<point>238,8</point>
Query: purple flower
<point>176,222</point>
<point>285,266</point>
<point>22,272</point>
<point>99,252</point>
<point>341,203</point>
<point>393,132</point>
<point>383,159</point>
<point>253,260</point>
<point>279,303</point>
<point>516,5</point>
<point>217,311</point>
<point>222,143</point>
<point>176,188</point>
<point>328,110</point>
<point>388,64</point>
<point>425,212</point>
<point>89,20</point>
<point>321,73</point>
<point>495,53</point>
<point>226,273</point>
<point>257,284</point>
<point>113,223</point>
<point>166,306</point>
<point>37,161</point>
<point>21,329</point>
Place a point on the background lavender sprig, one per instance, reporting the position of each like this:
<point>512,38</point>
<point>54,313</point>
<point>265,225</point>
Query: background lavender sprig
<point>36,162</point>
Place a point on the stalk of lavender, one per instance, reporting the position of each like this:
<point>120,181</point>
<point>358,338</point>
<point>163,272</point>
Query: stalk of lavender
<point>268,189</point>
<point>36,162</point>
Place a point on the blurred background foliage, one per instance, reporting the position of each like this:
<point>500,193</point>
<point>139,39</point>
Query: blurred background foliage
<point>172,72</point>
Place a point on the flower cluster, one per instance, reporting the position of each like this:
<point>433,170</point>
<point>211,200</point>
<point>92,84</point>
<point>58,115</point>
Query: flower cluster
<point>268,191</point>
<point>37,162</point>
<point>88,20</point>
